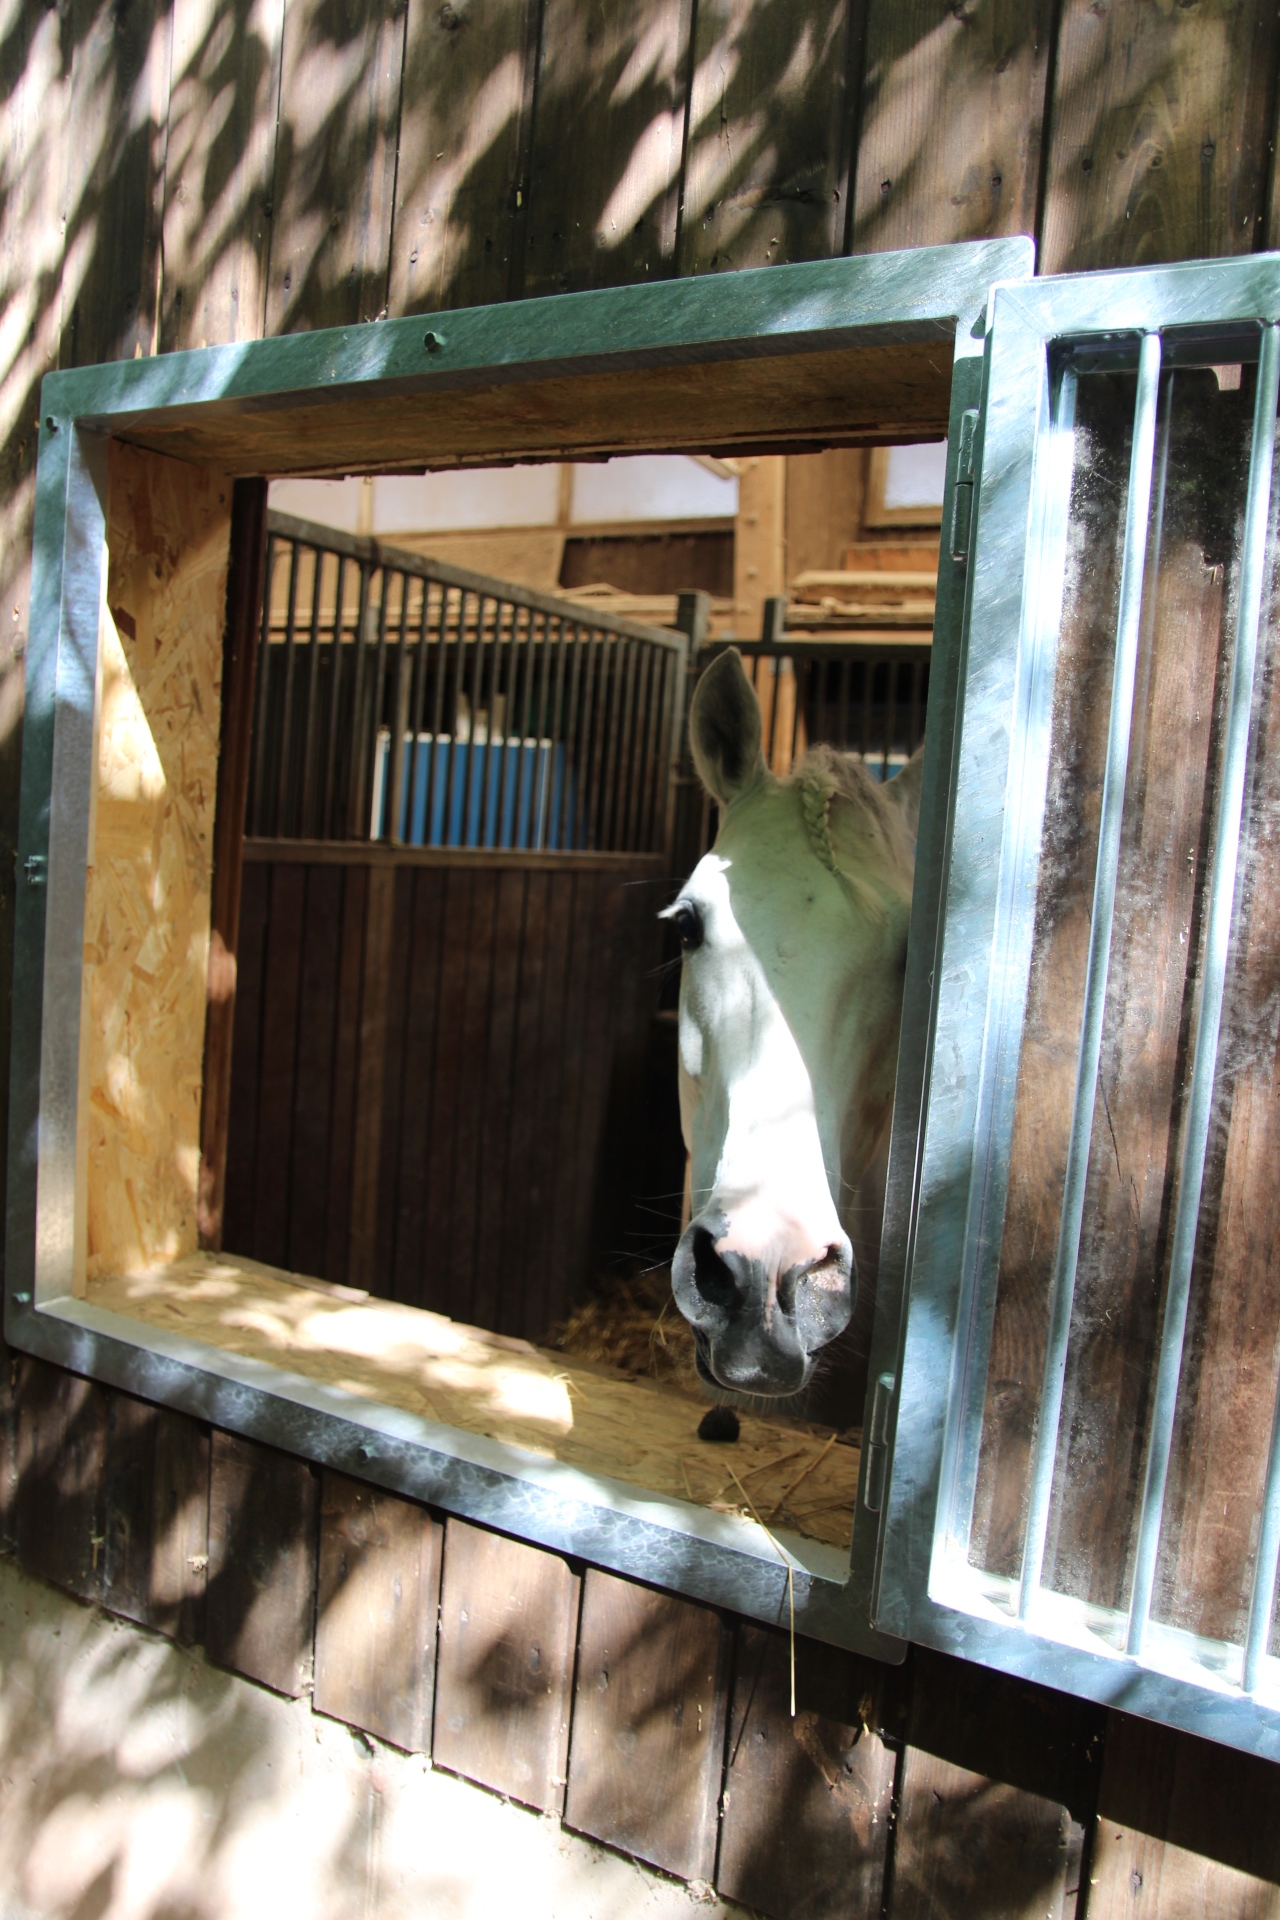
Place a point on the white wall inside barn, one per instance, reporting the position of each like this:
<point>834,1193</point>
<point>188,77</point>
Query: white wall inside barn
<point>632,490</point>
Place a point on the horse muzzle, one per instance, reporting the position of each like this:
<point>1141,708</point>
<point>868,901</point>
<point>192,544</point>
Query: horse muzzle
<point>757,1331</point>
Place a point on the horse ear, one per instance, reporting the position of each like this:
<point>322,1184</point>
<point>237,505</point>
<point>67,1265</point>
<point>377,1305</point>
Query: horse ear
<point>904,791</point>
<point>724,730</point>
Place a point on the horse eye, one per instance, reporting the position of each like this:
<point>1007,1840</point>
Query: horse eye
<point>688,922</point>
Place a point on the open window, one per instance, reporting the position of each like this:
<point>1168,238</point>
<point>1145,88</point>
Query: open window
<point>1076,1447</point>
<point>144,470</point>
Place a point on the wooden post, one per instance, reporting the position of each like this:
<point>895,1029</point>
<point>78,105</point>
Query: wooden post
<point>759,543</point>
<point>244,612</point>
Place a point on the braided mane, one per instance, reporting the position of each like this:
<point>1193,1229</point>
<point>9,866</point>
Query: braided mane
<point>826,776</point>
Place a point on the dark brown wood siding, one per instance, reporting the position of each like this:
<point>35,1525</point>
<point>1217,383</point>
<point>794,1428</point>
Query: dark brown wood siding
<point>435,1059</point>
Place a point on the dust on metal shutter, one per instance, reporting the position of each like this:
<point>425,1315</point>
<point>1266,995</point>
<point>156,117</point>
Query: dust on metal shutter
<point>1081,1468</point>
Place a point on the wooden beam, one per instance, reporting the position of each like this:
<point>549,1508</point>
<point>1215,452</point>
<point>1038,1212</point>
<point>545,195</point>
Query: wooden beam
<point>760,540</point>
<point>244,611</point>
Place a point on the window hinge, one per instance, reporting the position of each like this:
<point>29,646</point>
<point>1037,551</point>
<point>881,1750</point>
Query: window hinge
<point>878,1444</point>
<point>962,500</point>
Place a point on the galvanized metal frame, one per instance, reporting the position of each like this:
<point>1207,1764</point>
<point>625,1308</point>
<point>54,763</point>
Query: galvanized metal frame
<point>988,841</point>
<point>934,297</point>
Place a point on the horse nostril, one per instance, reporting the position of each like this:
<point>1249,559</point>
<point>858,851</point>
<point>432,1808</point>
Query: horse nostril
<point>711,1274</point>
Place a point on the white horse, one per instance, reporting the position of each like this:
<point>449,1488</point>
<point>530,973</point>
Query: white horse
<point>794,936</point>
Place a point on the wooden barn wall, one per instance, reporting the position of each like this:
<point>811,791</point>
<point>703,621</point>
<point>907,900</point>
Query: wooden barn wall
<point>184,171</point>
<point>429,1051</point>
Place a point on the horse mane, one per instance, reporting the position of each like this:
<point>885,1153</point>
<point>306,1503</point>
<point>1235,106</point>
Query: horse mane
<point>825,777</point>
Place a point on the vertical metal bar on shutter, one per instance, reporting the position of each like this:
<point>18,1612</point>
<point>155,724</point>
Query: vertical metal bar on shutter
<point>557,767</point>
<point>257,807</point>
<point>1262,1600</point>
<point>566,818</point>
<point>1066,1256</point>
<point>357,825</point>
<point>1222,885</point>
<point>335,701</point>
<point>477,760</point>
<point>451,744</point>
<point>417,771</point>
<point>508,754</point>
<point>286,697</point>
<point>306,805</point>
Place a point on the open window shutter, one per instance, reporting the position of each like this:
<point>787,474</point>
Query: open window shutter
<point>1076,1442</point>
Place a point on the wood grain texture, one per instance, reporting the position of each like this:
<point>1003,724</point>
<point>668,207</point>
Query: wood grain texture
<point>1229,1389</point>
<point>952,117</point>
<point>264,1511</point>
<point>156,1518</point>
<point>767,162</point>
<point>648,1725</point>
<point>374,986</point>
<point>806,1823</point>
<point>147,905</point>
<point>462,180</point>
<point>115,179</point>
<point>759,540</point>
<point>219,161</point>
<point>967,1844</point>
<point>246,566</point>
<point>504,1679</point>
<point>1194,1820</point>
<point>61,1446</point>
<point>1134,1874</point>
<point>617,70</point>
<point>379,1590</point>
<point>334,179</point>
<point>1159,118</point>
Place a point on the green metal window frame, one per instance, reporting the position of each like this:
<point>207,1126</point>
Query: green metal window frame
<point>300,401</point>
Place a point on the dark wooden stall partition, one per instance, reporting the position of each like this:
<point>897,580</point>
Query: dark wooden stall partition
<point>435,1050</point>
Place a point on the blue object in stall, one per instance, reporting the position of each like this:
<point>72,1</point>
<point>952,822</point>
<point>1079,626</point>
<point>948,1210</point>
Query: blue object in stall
<point>501,793</point>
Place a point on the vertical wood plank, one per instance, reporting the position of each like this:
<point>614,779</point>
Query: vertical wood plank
<point>648,1725</point>
<point>261,1596</point>
<point>1159,133</point>
<point>508,1625</point>
<point>806,1805</point>
<point>334,176</point>
<point>952,118</point>
<point>765,172</point>
<point>156,1527</point>
<point>61,1461</point>
<point>448,1090</point>
<point>618,70</point>
<point>115,193</point>
<point>968,1844</point>
<point>1000,1779</point>
<point>219,159</point>
<point>552,1264</point>
<point>239,663</point>
<point>471,1013</point>
<point>493,1253</point>
<point>346,1061</point>
<point>462,179</point>
<point>277,1063</point>
<point>427,935</point>
<point>374,989</point>
<point>402,987</point>
<point>1133,1874</point>
<point>246,1042</point>
<point>760,539</point>
<point>1184,1825</point>
<point>525,1274</point>
<point>312,1119</point>
<point>379,1589</point>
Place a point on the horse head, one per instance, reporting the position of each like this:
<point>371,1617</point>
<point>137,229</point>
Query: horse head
<point>794,935</point>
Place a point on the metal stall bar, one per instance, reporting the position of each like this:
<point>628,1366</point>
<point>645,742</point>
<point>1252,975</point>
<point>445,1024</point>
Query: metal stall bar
<point>1124,674</point>
<point>1222,887</point>
<point>335,701</point>
<point>257,805</point>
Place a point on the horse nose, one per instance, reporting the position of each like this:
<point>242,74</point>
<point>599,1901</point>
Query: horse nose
<point>757,1327</point>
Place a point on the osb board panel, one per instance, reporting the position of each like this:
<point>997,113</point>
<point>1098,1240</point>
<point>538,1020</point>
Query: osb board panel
<point>790,1476</point>
<point>892,392</point>
<point>147,903</point>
